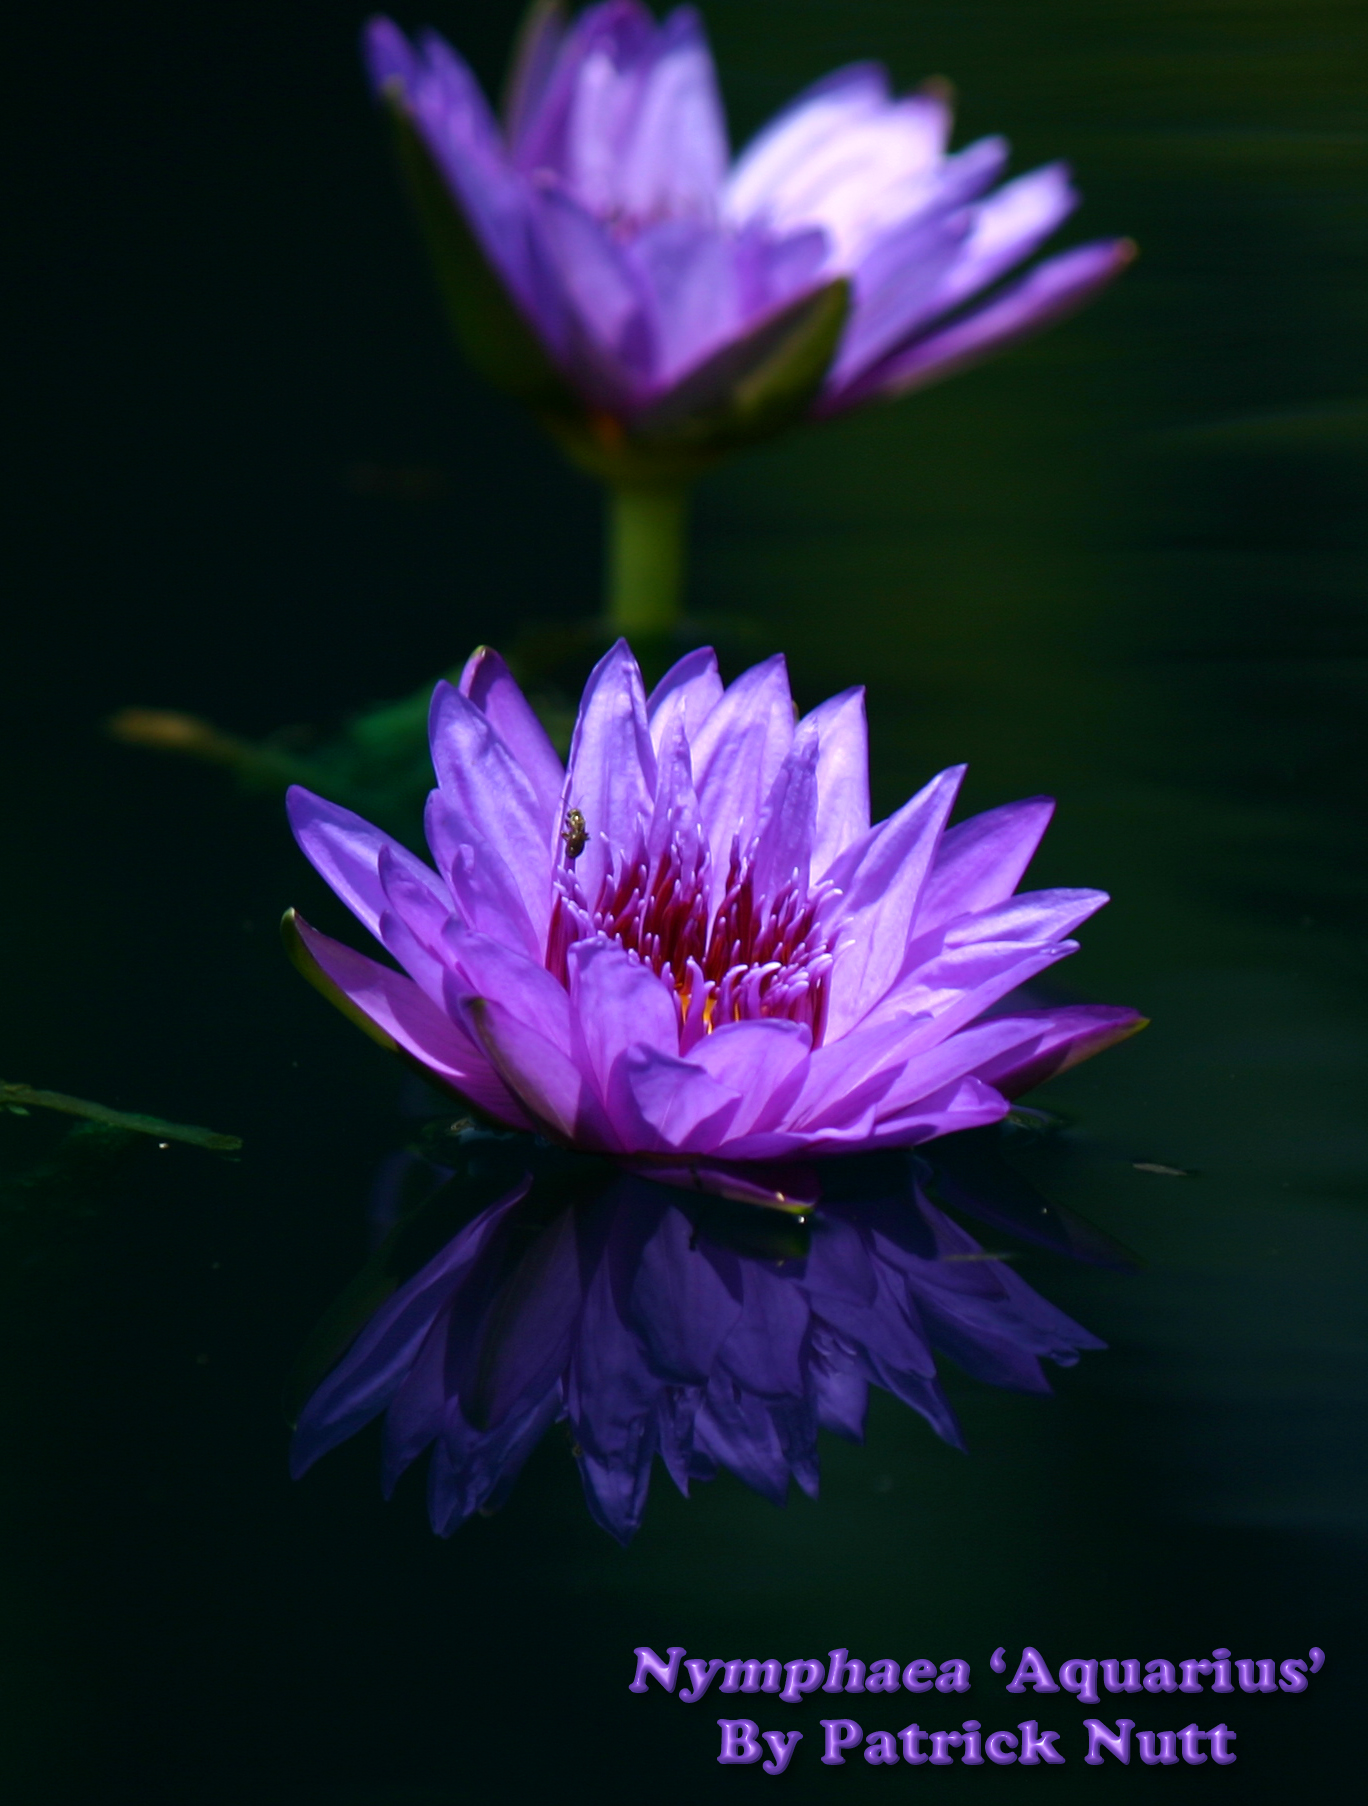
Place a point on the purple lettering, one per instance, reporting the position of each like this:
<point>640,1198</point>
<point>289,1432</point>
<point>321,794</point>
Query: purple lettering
<point>1166,1750</point>
<point>1189,1737</point>
<point>1115,1743</point>
<point>1221,1739</point>
<point>954,1677</point>
<point>910,1738</point>
<point>649,1663</point>
<point>840,1734</point>
<point>1081,1678</point>
<point>751,1677</point>
<point>843,1675</point>
<point>1032,1671</point>
<point>800,1677</point>
<point>701,1675</point>
<point>940,1746</point>
<point>781,1749</point>
<point>738,1740</point>
<point>881,1748</point>
<point>1037,1745</point>
<point>1121,1677</point>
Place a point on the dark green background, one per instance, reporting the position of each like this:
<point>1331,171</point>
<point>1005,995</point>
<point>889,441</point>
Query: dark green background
<point>1124,564</point>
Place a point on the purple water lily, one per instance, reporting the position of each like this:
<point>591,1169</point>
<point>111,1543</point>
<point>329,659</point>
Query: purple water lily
<point>688,301</point>
<point>690,951</point>
<point>632,1320</point>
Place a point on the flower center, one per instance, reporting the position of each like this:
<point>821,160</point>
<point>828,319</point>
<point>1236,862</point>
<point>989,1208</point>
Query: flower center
<point>756,955</point>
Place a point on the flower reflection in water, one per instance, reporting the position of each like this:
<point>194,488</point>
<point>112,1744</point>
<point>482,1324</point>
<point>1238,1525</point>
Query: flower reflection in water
<point>652,1322</point>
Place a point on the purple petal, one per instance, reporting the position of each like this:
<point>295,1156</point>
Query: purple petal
<point>412,926</point>
<point>1033,915</point>
<point>761,1062</point>
<point>486,894</point>
<point>548,1085</point>
<point>684,1299</point>
<point>842,736</point>
<point>764,1350</point>
<point>842,1391</point>
<point>387,53</point>
<point>870,171</point>
<point>407,1018</point>
<point>488,683</point>
<point>612,43</point>
<point>473,1469</point>
<point>612,776</point>
<point>661,1104</point>
<point>820,117</point>
<point>381,1358</point>
<point>942,994</point>
<point>1009,226</point>
<point>689,691</point>
<point>674,156</point>
<point>480,966</point>
<point>616,1003</point>
<point>880,878</point>
<point>493,798</point>
<point>691,276</point>
<point>979,1311</point>
<point>900,285</point>
<point>1051,291</point>
<point>977,1050</point>
<point>540,44</point>
<point>611,1400</point>
<point>738,1433</point>
<point>737,753</point>
<point>963,1104</point>
<point>345,852</point>
<point>980,862</point>
<point>417,1411</point>
<point>445,104</point>
<point>1064,1037</point>
<point>522,1342</point>
<point>783,842</point>
<point>608,344</point>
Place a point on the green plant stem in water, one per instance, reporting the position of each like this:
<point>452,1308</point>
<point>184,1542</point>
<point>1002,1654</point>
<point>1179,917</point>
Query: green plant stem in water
<point>646,558</point>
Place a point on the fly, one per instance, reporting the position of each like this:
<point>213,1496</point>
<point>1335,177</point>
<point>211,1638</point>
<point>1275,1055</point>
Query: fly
<point>575,834</point>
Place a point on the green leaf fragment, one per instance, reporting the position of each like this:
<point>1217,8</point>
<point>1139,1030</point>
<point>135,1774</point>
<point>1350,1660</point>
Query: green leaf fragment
<point>19,1097</point>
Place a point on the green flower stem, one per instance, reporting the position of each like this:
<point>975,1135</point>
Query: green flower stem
<point>646,558</point>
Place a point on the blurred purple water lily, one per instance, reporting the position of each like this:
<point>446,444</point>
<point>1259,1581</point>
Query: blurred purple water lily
<point>659,302</point>
<point>690,951</point>
<point>630,1320</point>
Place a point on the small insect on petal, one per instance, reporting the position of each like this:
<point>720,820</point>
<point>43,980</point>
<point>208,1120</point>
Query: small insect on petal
<point>575,834</point>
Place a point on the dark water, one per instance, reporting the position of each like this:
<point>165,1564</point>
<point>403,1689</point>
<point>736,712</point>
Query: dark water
<point>1125,565</point>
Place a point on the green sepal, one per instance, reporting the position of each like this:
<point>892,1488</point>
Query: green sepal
<point>753,388</point>
<point>492,332</point>
<point>304,962</point>
<point>756,385</point>
<point>758,1231</point>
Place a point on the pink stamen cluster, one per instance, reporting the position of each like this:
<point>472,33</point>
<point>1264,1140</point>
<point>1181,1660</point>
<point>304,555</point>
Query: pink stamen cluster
<point>756,956</point>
